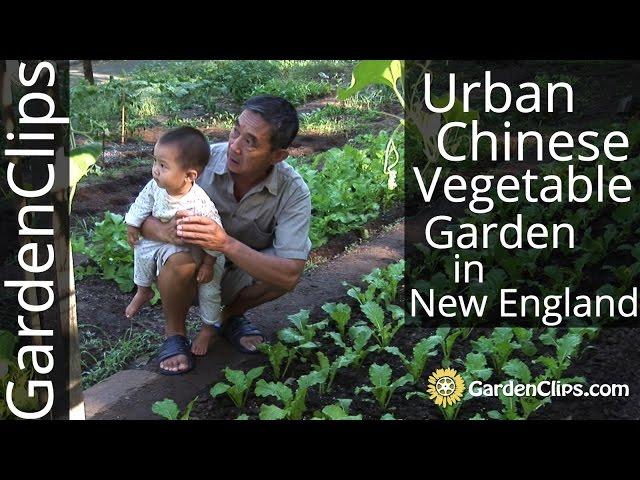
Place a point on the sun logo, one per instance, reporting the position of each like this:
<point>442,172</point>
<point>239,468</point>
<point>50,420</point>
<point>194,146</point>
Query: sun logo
<point>445,387</point>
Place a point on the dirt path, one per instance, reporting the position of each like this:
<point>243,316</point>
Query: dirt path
<point>129,394</point>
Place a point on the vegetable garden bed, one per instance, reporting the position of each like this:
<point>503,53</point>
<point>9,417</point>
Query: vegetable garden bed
<point>494,355</point>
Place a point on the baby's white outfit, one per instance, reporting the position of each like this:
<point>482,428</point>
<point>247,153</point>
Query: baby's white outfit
<point>150,255</point>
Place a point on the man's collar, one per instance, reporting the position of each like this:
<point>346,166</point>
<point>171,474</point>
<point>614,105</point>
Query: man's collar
<point>270,181</point>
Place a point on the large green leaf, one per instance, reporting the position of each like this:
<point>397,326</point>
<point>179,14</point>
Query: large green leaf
<point>278,390</point>
<point>289,335</point>
<point>424,347</point>
<point>298,406</point>
<point>81,159</point>
<point>271,412</point>
<point>370,72</point>
<point>339,411</point>
<point>340,313</point>
<point>476,366</point>
<point>337,339</point>
<point>311,379</point>
<point>402,381</point>
<point>236,377</point>
<point>396,351</point>
<point>187,411</point>
<point>21,398</point>
<point>344,360</point>
<point>219,389</point>
<point>254,373</point>
<point>300,319</point>
<point>517,369</point>
<point>323,363</point>
<point>334,412</point>
<point>167,408</point>
<point>374,313</point>
<point>360,336</point>
<point>277,353</point>
<point>567,345</point>
<point>456,113</point>
<point>380,375</point>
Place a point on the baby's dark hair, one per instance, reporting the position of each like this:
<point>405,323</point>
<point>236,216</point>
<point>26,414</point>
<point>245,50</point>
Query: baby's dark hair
<point>192,144</point>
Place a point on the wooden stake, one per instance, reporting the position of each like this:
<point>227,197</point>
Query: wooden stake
<point>122,121</point>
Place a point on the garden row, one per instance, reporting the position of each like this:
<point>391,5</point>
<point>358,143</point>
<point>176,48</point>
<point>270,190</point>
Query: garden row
<point>364,359</point>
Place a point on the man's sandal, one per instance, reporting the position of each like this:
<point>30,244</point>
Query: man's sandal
<point>173,346</point>
<point>237,327</point>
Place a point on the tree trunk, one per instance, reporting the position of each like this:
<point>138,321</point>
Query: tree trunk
<point>88,71</point>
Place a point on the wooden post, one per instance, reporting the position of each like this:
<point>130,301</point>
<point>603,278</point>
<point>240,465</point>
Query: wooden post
<point>64,267</point>
<point>67,302</point>
<point>122,120</point>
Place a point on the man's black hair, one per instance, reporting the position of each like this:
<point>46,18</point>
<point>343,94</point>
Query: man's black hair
<point>192,145</point>
<point>280,115</point>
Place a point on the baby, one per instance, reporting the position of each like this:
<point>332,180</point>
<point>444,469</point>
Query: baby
<point>180,155</point>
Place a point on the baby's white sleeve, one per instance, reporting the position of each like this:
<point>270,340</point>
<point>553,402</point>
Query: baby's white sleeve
<point>143,206</point>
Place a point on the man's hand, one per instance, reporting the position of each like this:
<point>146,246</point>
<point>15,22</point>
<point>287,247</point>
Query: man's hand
<point>205,273</point>
<point>201,231</point>
<point>283,273</point>
<point>154,229</point>
<point>133,235</point>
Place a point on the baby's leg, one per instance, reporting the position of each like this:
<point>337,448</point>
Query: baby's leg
<point>209,294</point>
<point>209,305</point>
<point>144,274</point>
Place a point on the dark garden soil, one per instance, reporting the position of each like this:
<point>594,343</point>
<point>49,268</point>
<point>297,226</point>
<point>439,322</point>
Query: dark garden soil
<point>613,358</point>
<point>115,195</point>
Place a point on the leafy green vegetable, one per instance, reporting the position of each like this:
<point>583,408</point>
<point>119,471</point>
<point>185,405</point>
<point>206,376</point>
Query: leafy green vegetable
<point>106,245</point>
<point>328,370</point>
<point>359,336</point>
<point>383,331</point>
<point>421,352</point>
<point>381,386</point>
<point>277,354</point>
<point>337,411</point>
<point>168,409</point>
<point>239,385</point>
<point>340,313</point>
<point>293,405</point>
